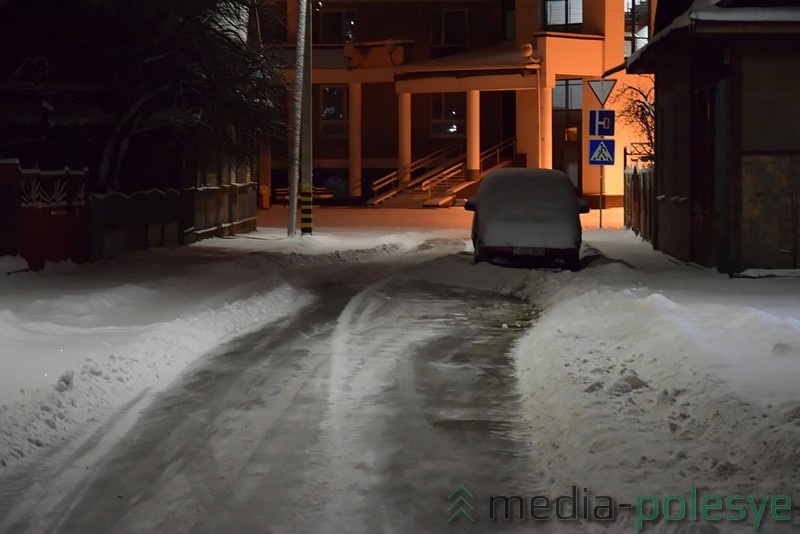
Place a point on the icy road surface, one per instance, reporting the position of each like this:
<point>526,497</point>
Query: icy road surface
<point>360,413</point>
<point>355,379</point>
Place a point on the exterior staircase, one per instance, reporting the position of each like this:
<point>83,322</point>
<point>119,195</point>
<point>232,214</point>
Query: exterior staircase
<point>437,187</point>
<point>419,170</point>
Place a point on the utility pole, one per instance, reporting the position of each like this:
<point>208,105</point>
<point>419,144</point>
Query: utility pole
<point>297,112</point>
<point>306,166</point>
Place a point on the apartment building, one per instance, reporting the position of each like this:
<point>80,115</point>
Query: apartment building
<point>398,83</point>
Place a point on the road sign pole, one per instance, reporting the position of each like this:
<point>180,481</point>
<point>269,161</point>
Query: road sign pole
<point>602,167</point>
<point>602,89</point>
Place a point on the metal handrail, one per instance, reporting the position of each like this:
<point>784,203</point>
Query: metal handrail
<point>439,157</point>
<point>393,177</point>
<point>496,151</point>
<point>491,154</point>
<point>446,174</point>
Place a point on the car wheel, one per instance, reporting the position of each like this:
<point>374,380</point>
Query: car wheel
<point>478,256</point>
<point>574,260</point>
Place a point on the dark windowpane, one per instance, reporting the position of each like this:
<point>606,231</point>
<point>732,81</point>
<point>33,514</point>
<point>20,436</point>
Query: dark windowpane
<point>438,105</point>
<point>560,95</point>
<point>330,27</point>
<point>449,28</point>
<point>349,27</point>
<point>334,111</point>
<point>437,27</point>
<point>510,25</point>
<point>448,114</point>
<point>568,94</point>
<point>575,94</point>
<point>332,103</point>
<point>337,27</point>
<point>455,30</point>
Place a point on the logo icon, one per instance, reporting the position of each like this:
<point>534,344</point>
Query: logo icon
<point>461,503</point>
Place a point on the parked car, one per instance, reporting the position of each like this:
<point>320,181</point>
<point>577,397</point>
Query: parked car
<point>528,216</point>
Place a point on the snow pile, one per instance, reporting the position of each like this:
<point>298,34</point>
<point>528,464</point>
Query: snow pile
<point>12,264</point>
<point>89,389</point>
<point>352,245</point>
<point>645,376</point>
<point>80,343</point>
<point>631,392</point>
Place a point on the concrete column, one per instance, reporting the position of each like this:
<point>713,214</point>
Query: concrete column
<point>473,135</point>
<point>528,127</point>
<point>546,125</point>
<point>354,174</point>
<point>404,135</point>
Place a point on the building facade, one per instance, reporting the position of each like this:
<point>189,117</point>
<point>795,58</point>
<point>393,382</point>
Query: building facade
<point>728,170</point>
<point>395,81</point>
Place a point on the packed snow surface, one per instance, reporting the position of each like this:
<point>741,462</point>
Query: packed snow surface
<point>642,374</point>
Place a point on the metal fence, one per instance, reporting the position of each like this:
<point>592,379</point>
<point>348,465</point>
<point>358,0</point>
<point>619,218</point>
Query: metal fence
<point>43,214</point>
<point>48,215</point>
<point>640,202</point>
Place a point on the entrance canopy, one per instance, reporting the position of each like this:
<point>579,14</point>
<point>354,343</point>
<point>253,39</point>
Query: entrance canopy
<point>499,68</point>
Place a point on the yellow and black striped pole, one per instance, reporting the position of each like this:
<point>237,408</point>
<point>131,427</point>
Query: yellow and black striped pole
<point>306,165</point>
<point>306,219</point>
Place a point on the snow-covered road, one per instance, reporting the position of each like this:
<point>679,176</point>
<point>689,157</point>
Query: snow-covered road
<point>354,374</point>
<point>357,411</point>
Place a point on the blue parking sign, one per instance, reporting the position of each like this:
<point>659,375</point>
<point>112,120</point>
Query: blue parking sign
<point>601,151</point>
<point>601,122</point>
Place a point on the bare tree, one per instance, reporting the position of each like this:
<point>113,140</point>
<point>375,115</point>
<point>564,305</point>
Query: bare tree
<point>635,106</point>
<point>193,64</point>
<point>182,69</point>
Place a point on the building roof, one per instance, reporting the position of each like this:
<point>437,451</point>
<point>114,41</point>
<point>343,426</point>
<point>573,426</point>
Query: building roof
<point>721,12</point>
<point>505,56</point>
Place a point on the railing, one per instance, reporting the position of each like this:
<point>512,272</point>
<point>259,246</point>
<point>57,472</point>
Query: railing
<point>638,153</point>
<point>388,185</point>
<point>454,171</point>
<point>498,153</point>
<point>489,158</point>
<point>317,193</point>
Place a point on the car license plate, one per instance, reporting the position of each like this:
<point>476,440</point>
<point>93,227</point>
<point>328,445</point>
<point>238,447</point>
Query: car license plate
<point>527,251</point>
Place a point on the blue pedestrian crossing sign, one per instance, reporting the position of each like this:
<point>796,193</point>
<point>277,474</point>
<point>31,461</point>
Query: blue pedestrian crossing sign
<point>601,122</point>
<point>601,152</point>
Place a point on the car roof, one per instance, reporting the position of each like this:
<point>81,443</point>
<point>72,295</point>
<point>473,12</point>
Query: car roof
<point>541,182</point>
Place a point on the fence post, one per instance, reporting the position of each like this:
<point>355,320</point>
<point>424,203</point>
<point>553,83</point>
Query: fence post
<point>10,207</point>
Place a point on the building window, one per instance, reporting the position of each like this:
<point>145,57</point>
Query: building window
<point>335,27</point>
<point>509,20</point>
<point>334,118</point>
<point>563,15</point>
<point>449,32</point>
<point>637,25</point>
<point>568,94</point>
<point>448,114</point>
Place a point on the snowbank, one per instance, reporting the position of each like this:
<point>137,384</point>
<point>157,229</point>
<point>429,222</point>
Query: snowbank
<point>642,380</point>
<point>83,343</point>
<point>644,376</point>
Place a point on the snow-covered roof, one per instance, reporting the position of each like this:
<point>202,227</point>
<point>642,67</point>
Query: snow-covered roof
<point>503,56</point>
<point>710,11</point>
